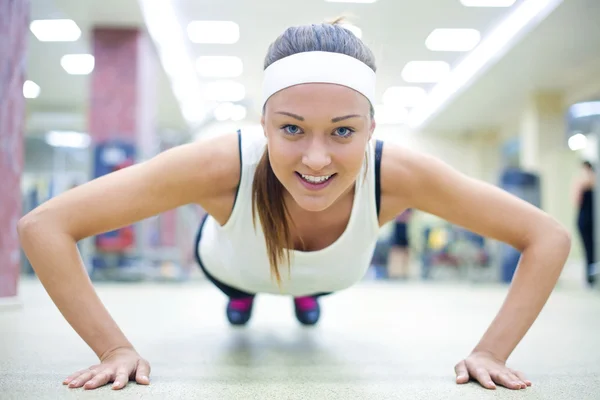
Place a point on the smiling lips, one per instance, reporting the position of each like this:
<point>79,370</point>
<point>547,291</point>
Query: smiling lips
<point>312,182</point>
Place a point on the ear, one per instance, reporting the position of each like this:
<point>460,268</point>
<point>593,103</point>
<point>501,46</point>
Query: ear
<point>262,123</point>
<point>372,128</point>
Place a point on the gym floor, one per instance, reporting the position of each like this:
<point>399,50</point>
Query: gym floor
<point>375,341</point>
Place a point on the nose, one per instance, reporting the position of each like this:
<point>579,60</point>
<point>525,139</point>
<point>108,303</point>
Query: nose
<point>316,156</point>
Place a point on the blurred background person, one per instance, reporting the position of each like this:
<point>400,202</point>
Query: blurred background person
<point>399,259</point>
<point>584,200</point>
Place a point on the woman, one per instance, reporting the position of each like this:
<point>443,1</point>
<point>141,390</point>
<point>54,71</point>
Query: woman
<point>400,250</point>
<point>584,199</point>
<point>295,212</point>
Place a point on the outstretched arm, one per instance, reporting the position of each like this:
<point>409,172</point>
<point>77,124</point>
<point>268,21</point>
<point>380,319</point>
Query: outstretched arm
<point>194,173</point>
<point>430,185</point>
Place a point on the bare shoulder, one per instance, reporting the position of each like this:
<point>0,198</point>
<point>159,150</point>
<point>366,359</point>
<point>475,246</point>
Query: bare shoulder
<point>215,163</point>
<point>402,171</point>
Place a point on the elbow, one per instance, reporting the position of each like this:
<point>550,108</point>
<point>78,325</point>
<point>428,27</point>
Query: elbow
<point>563,238</point>
<point>31,224</point>
<point>26,227</point>
<point>558,239</point>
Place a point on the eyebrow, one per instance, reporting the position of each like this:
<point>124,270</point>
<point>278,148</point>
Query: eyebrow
<point>336,119</point>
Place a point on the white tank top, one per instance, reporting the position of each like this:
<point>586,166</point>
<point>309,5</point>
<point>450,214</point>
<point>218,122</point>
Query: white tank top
<point>236,253</point>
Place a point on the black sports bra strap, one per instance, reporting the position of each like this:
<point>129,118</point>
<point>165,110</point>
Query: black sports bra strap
<point>378,153</point>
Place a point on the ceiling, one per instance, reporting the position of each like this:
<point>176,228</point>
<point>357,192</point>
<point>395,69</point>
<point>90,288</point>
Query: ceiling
<point>559,54</point>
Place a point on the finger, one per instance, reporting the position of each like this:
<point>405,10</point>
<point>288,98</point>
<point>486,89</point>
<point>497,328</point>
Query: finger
<point>101,379</point>
<point>508,380</point>
<point>74,375</point>
<point>517,380</point>
<point>121,379</point>
<point>143,373</point>
<point>521,376</point>
<point>81,379</point>
<point>462,373</point>
<point>484,378</point>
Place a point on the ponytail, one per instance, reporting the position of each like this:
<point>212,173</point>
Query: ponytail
<point>268,203</point>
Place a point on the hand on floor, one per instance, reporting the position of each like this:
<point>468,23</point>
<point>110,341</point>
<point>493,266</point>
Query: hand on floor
<point>119,367</point>
<point>489,371</point>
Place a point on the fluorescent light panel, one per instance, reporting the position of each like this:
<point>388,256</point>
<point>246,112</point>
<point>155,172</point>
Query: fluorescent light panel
<point>490,48</point>
<point>351,1</point>
<point>216,32</point>
<point>225,90</point>
<point>78,64</point>
<point>425,71</point>
<point>404,96</point>
<point>55,30</point>
<point>386,114</point>
<point>487,3</point>
<point>586,109</point>
<point>31,90</point>
<point>70,139</point>
<point>453,39</point>
<point>577,142</point>
<point>165,30</point>
<point>238,112</point>
<point>219,66</point>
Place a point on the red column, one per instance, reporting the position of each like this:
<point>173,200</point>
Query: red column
<point>123,94</point>
<point>14,22</point>
<point>114,90</point>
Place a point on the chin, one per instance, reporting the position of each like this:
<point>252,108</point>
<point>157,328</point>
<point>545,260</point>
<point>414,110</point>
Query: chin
<point>313,203</point>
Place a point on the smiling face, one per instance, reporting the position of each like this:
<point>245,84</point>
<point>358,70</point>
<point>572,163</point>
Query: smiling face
<point>317,136</point>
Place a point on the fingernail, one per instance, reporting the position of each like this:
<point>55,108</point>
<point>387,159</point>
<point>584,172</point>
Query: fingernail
<point>145,378</point>
<point>116,384</point>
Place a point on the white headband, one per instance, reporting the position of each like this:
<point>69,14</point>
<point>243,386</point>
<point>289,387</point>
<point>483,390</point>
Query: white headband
<point>319,67</point>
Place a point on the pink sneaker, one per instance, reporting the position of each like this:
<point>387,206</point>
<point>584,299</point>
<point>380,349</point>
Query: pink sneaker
<point>307,310</point>
<point>239,311</point>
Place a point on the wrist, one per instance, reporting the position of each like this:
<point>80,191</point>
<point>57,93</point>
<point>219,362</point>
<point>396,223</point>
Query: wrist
<point>112,350</point>
<point>488,352</point>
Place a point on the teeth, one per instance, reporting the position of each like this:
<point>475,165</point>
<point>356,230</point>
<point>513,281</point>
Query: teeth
<point>315,179</point>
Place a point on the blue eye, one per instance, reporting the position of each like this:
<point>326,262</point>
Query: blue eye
<point>291,129</point>
<point>344,132</point>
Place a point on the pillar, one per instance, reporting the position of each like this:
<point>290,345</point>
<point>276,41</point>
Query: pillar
<point>122,112</point>
<point>544,151</point>
<point>14,22</point>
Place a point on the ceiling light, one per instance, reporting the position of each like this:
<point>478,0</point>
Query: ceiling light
<point>31,90</point>
<point>452,39</point>
<point>577,142</point>
<point>219,32</point>
<point>78,64</point>
<point>68,139</point>
<point>55,30</point>
<point>238,112</point>
<point>223,111</point>
<point>219,66</point>
<point>169,39</point>
<point>225,91</point>
<point>354,29</point>
<point>228,110</point>
<point>390,115</point>
<point>487,3</point>
<point>586,109</point>
<point>404,96</point>
<point>492,47</point>
<point>425,71</point>
<point>351,1</point>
